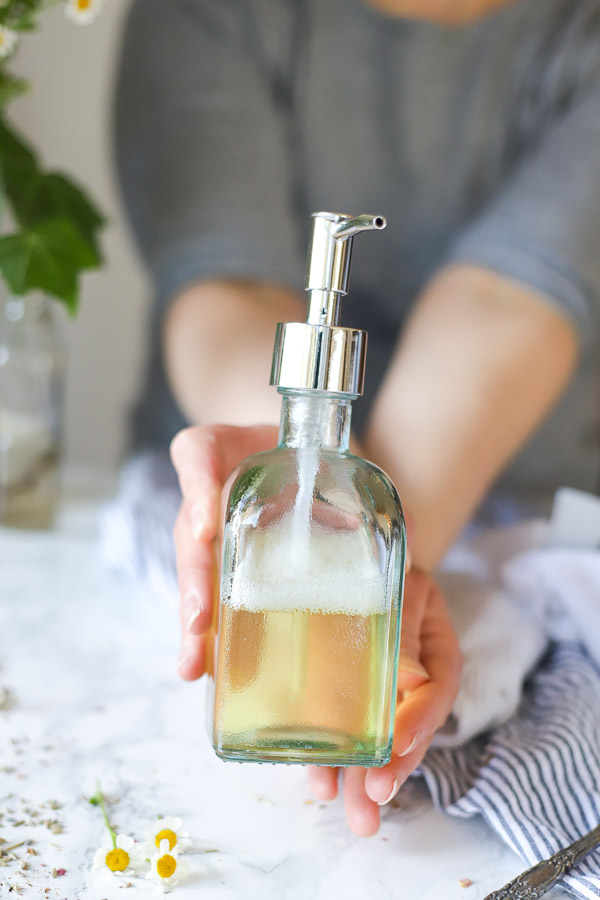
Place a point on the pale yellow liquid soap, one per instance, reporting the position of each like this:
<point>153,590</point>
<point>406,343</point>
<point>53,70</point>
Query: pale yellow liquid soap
<point>299,667</point>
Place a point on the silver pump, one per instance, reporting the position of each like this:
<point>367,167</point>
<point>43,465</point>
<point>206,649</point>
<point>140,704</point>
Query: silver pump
<point>319,354</point>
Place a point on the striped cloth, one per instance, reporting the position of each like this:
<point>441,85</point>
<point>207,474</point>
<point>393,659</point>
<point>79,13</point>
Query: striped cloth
<point>527,719</point>
<point>535,779</point>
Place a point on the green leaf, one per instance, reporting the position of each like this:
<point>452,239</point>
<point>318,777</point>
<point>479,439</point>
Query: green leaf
<point>14,151</point>
<point>49,257</point>
<point>11,87</point>
<point>58,222</point>
<point>53,195</point>
<point>36,196</point>
<point>21,14</point>
<point>18,168</point>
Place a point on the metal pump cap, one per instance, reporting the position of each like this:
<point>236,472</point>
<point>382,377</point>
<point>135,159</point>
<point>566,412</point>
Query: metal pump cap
<point>319,354</point>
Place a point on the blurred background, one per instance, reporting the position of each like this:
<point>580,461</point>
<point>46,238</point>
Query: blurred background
<point>67,116</point>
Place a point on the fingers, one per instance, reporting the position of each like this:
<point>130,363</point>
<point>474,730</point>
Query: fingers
<point>362,813</point>
<point>203,457</point>
<point>192,657</point>
<point>195,573</point>
<point>195,456</point>
<point>411,672</point>
<point>382,785</point>
<point>427,707</point>
<point>323,782</point>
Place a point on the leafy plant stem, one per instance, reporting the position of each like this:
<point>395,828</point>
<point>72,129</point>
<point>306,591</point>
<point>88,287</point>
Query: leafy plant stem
<point>98,800</point>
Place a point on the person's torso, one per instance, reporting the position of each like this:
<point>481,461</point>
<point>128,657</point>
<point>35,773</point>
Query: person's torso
<point>425,124</point>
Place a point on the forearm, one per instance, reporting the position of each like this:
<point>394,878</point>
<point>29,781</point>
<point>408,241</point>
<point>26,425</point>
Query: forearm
<point>218,343</point>
<point>481,362</point>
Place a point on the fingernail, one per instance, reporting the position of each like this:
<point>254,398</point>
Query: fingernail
<point>199,520</point>
<point>410,665</point>
<point>191,609</point>
<point>391,795</point>
<point>415,741</point>
<point>183,658</point>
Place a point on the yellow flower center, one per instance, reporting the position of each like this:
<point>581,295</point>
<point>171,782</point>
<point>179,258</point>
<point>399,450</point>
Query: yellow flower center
<point>166,835</point>
<point>117,860</point>
<point>166,865</point>
<point>84,4</point>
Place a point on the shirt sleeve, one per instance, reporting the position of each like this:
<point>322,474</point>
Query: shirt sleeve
<point>202,148</point>
<point>543,226</point>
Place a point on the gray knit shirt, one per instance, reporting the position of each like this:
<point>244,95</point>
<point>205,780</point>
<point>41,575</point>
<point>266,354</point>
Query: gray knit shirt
<point>235,119</point>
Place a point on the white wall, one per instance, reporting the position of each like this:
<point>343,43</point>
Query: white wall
<point>67,118</point>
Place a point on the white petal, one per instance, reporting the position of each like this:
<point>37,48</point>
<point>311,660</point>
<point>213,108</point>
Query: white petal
<point>172,822</point>
<point>124,842</point>
<point>100,857</point>
<point>82,16</point>
<point>164,847</point>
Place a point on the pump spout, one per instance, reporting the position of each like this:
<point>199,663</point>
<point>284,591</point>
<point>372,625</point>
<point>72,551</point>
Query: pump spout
<point>330,250</point>
<point>319,354</point>
<point>349,227</point>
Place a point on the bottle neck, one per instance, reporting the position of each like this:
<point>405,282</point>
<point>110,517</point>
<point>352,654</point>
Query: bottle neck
<point>315,419</point>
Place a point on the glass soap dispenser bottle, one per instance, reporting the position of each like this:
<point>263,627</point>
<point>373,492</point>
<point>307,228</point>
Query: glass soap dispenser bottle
<point>313,554</point>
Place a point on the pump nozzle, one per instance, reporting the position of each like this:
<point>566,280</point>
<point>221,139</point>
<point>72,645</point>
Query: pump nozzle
<point>328,262</point>
<point>319,354</point>
<point>349,227</point>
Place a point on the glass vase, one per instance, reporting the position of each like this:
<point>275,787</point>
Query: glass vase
<point>31,405</point>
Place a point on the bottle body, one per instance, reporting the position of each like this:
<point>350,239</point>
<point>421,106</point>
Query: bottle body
<point>310,599</point>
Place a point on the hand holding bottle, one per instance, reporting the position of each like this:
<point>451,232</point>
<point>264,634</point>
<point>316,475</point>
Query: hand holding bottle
<point>203,457</point>
<point>428,679</point>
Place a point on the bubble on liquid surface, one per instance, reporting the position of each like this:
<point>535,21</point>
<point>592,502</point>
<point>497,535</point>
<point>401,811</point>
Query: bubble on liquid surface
<point>336,573</point>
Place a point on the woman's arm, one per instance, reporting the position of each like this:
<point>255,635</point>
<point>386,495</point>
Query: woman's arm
<point>218,345</point>
<point>480,363</point>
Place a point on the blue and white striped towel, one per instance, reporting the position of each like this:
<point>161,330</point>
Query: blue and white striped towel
<point>522,747</point>
<point>535,779</point>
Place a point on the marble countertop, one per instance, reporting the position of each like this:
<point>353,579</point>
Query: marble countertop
<point>90,692</point>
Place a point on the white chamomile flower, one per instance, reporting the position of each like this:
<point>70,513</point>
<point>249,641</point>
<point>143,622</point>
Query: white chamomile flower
<point>82,11</point>
<point>120,860</point>
<point>167,869</point>
<point>8,41</point>
<point>168,829</point>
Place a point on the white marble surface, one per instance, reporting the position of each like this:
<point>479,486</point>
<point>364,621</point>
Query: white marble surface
<point>90,661</point>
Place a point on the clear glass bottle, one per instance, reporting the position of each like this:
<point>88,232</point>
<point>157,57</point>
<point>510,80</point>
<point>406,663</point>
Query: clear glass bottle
<point>31,388</point>
<point>313,559</point>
